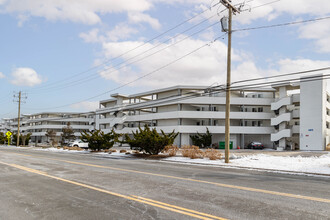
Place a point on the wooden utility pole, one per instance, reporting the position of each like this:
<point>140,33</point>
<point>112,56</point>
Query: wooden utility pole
<point>19,116</point>
<point>231,10</point>
<point>227,123</point>
<point>18,98</point>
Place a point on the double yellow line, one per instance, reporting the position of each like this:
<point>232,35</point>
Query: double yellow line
<point>290,195</point>
<point>162,205</point>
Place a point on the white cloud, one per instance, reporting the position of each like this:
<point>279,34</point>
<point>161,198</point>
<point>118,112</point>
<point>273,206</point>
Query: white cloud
<point>319,31</point>
<point>80,11</point>
<point>92,36</point>
<point>25,77</point>
<point>204,67</point>
<point>138,17</point>
<point>86,106</point>
<point>121,32</point>
<point>2,75</point>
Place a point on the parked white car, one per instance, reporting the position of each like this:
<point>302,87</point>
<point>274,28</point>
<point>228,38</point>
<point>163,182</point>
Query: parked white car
<point>78,143</point>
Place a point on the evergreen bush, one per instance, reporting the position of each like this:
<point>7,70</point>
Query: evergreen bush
<point>202,140</point>
<point>149,141</point>
<point>98,140</point>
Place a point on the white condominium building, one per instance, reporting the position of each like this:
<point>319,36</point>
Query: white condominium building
<point>286,116</point>
<point>38,124</point>
<point>187,110</point>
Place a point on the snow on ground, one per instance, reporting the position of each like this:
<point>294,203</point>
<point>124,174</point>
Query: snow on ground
<point>308,164</point>
<point>101,154</point>
<point>53,149</point>
<point>320,165</point>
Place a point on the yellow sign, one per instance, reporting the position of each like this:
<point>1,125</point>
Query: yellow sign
<point>8,133</point>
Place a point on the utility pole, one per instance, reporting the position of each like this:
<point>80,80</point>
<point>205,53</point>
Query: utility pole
<point>231,9</point>
<point>19,96</point>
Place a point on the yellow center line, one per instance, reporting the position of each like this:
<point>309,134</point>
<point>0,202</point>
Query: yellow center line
<point>196,180</point>
<point>177,209</point>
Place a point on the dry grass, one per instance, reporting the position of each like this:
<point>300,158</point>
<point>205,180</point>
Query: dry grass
<point>327,148</point>
<point>213,154</point>
<point>106,151</point>
<point>127,153</point>
<point>171,150</point>
<point>113,150</point>
<point>76,148</point>
<point>193,152</point>
<point>122,151</point>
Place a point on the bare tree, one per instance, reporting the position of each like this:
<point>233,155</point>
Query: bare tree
<point>51,134</point>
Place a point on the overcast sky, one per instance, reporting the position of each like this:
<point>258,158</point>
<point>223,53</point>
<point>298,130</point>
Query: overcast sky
<point>64,53</point>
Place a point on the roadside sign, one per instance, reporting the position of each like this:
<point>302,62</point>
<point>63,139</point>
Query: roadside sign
<point>8,133</point>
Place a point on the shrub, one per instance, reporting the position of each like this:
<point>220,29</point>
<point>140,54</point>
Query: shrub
<point>149,141</point>
<point>127,153</point>
<point>98,140</point>
<point>122,151</point>
<point>213,154</point>
<point>192,152</point>
<point>202,140</point>
<point>171,150</point>
<point>113,150</point>
<point>23,139</point>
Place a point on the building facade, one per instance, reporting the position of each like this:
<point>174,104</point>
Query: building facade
<point>40,123</point>
<point>187,110</point>
<point>286,116</point>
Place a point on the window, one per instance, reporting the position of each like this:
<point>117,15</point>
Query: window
<point>254,110</point>
<point>245,123</point>
<point>259,123</point>
<point>260,109</point>
<point>253,96</point>
<point>198,123</point>
<point>260,96</point>
<point>253,123</point>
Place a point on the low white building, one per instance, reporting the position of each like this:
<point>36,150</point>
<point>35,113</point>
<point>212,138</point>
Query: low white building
<point>38,124</point>
<point>286,116</point>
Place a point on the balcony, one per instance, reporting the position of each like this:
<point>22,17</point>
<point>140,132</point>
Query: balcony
<point>201,129</point>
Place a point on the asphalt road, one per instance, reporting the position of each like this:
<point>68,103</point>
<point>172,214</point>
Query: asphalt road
<point>48,185</point>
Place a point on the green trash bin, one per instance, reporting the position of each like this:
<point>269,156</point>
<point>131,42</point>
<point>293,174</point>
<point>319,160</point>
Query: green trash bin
<point>222,145</point>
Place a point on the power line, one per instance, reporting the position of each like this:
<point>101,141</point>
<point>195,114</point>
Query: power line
<point>216,90</point>
<point>89,78</point>
<point>282,24</point>
<point>281,75</point>
<point>141,77</point>
<point>141,45</point>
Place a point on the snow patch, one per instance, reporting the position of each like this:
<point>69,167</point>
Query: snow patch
<point>314,164</point>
